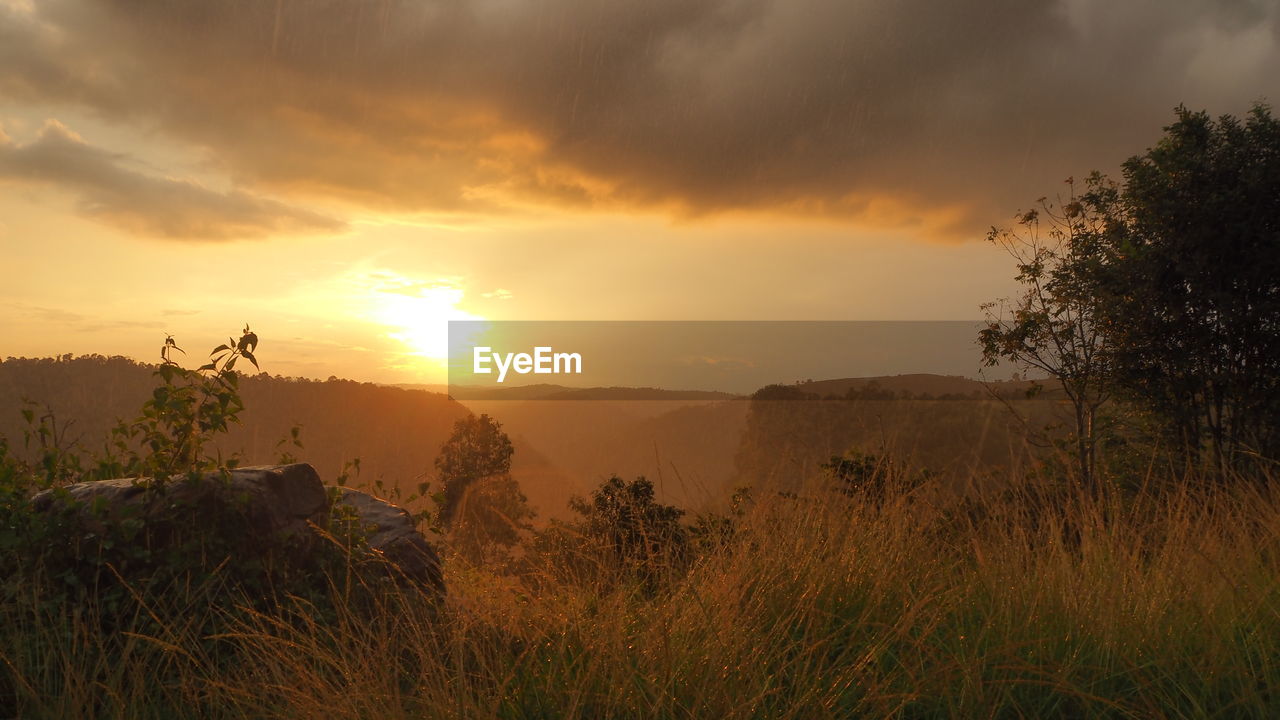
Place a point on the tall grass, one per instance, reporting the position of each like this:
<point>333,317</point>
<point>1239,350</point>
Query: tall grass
<point>1010,604</point>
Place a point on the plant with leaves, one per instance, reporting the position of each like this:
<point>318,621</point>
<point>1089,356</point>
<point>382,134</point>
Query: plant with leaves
<point>183,415</point>
<point>873,477</point>
<point>57,461</point>
<point>857,471</point>
<point>712,531</point>
<point>26,536</point>
<point>1056,325</point>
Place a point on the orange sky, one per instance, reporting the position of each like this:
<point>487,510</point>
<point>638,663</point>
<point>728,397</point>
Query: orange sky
<point>346,176</point>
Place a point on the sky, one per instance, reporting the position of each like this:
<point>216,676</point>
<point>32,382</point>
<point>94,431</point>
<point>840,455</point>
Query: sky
<point>347,175</point>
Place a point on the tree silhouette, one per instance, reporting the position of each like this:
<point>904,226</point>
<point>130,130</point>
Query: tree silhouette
<point>1194,307</point>
<point>476,450</point>
<point>626,516</point>
<point>1164,289</point>
<point>482,504</point>
<point>1055,325</point>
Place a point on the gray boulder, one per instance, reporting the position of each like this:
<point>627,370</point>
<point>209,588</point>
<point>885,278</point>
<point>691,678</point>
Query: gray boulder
<point>279,501</point>
<point>391,533</point>
<point>282,506</point>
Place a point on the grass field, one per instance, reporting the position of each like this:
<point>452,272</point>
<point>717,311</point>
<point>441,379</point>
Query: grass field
<point>1022,604</point>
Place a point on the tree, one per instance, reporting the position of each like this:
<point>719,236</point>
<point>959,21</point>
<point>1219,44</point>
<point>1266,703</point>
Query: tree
<point>858,472</point>
<point>1055,325</point>
<point>476,450</point>
<point>482,504</point>
<point>627,518</point>
<point>490,518</point>
<point>1194,293</point>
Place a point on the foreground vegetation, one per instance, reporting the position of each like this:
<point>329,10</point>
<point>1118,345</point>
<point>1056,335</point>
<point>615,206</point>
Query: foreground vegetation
<point>1022,603</point>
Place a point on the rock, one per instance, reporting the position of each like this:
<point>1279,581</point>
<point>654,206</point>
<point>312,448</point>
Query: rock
<point>276,501</point>
<point>390,532</point>
<point>277,510</point>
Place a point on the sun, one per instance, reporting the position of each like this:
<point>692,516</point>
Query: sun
<point>419,318</point>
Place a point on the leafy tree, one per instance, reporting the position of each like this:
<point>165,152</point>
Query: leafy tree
<point>476,450</point>
<point>627,518</point>
<point>1194,301</point>
<point>1164,289</point>
<point>481,504</point>
<point>490,518</point>
<point>1055,326</point>
<point>857,472</point>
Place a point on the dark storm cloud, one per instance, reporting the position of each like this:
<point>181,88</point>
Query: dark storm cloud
<point>109,191</point>
<point>940,115</point>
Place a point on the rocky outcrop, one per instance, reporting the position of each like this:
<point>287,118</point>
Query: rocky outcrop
<point>279,510</point>
<point>279,501</point>
<point>391,533</point>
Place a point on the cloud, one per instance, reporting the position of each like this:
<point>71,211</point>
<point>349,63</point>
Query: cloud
<point>78,322</point>
<point>937,116</point>
<point>717,362</point>
<point>107,190</point>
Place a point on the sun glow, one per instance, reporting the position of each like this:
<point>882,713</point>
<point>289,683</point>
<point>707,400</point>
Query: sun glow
<point>415,313</point>
<point>421,320</point>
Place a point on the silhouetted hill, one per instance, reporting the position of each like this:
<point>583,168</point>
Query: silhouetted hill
<point>953,426</point>
<point>544,391</point>
<point>396,433</point>
<point>634,393</point>
<point>917,386</point>
<point>696,446</point>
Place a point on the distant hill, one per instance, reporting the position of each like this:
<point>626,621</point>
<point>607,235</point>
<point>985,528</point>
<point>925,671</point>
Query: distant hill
<point>917,385</point>
<point>396,433</point>
<point>631,393</point>
<point>698,451</point>
<point>697,446</point>
<point>562,392</point>
<point>953,426</point>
